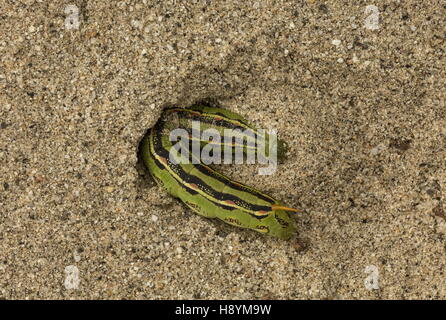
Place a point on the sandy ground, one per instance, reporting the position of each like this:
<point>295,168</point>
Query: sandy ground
<point>358,92</point>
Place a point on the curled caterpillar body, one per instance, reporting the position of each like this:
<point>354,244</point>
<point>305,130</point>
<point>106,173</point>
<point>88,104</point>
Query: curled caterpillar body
<point>204,190</point>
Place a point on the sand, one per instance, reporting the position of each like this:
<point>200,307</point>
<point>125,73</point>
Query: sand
<point>358,92</point>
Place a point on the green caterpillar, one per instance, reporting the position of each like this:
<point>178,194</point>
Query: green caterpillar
<point>204,190</point>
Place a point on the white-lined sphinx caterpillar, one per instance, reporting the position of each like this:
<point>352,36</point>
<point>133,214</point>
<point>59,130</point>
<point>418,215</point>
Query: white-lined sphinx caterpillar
<point>204,190</point>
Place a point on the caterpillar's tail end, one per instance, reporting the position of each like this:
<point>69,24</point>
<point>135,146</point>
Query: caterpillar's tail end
<point>279,207</point>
